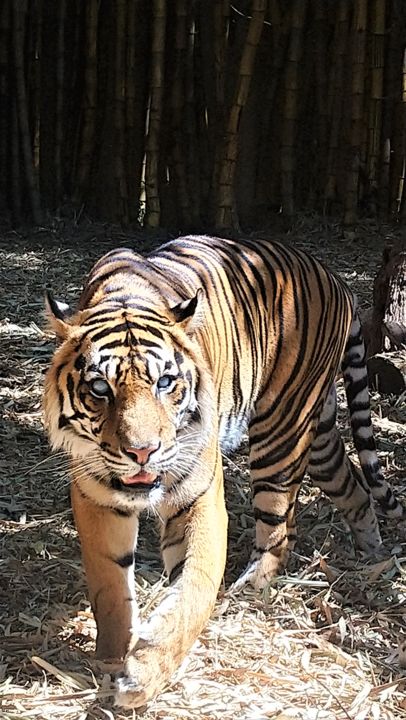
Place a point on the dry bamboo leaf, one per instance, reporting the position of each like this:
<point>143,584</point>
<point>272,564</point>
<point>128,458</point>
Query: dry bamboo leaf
<point>75,682</point>
<point>249,661</point>
<point>359,700</point>
<point>373,572</point>
<point>385,691</point>
<point>335,653</point>
<point>331,573</point>
<point>402,653</point>
<point>90,694</point>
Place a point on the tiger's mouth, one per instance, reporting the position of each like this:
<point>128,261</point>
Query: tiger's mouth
<point>141,478</point>
<point>142,482</point>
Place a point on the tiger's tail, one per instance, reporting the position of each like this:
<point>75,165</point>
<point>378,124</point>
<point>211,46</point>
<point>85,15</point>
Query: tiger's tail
<point>355,374</point>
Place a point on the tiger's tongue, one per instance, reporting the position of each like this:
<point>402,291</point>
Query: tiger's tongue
<point>141,477</point>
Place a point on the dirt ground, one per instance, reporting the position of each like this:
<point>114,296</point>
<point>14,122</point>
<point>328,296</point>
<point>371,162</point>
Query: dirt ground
<point>327,641</point>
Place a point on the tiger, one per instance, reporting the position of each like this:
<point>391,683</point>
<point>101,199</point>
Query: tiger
<point>166,362</point>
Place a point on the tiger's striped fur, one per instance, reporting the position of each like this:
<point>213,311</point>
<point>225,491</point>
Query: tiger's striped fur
<point>164,364</point>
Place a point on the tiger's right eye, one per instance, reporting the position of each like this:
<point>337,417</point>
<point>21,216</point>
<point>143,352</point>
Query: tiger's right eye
<point>165,381</point>
<point>99,388</point>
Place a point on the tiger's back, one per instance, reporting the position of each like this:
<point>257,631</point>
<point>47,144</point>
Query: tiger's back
<point>166,361</point>
<point>254,321</point>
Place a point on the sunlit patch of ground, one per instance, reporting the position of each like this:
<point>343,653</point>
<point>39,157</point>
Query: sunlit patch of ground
<point>325,642</point>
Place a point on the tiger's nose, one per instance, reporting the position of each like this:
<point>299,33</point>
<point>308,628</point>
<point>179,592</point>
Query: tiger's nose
<point>142,455</point>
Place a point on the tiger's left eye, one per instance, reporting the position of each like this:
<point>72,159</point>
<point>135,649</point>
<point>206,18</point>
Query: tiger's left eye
<point>165,381</point>
<point>99,388</point>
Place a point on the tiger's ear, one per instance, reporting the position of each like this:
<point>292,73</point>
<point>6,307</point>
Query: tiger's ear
<point>57,314</point>
<point>185,312</point>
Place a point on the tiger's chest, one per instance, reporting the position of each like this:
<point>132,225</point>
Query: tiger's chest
<point>231,430</point>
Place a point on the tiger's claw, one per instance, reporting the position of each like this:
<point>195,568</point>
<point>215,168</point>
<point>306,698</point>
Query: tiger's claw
<point>143,677</point>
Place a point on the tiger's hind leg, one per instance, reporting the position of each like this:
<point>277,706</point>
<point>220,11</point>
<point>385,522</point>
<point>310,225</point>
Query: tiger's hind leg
<point>277,471</point>
<point>333,472</point>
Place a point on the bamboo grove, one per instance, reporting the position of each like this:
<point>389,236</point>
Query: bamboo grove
<point>198,114</point>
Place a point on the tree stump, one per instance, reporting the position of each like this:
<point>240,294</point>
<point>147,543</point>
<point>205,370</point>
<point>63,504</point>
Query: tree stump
<point>387,372</point>
<point>385,328</point>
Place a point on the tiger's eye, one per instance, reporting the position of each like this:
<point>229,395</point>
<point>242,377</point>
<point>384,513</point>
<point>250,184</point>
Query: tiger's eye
<point>99,388</point>
<point>165,381</point>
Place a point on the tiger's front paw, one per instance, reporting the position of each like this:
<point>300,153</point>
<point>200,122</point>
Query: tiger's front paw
<point>260,570</point>
<point>146,671</point>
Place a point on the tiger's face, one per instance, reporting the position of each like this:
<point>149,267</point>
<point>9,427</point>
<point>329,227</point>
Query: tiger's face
<point>124,398</point>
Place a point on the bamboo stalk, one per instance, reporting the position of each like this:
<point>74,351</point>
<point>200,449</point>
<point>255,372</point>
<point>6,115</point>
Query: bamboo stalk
<point>137,71</point>
<point>59,119</point>
<point>402,190</point>
<point>130,109</point>
<point>5,105</point>
<point>280,30</point>
<point>193,159</point>
<point>359,34</point>
<point>221,39</point>
<point>226,215</point>
<point>29,63</point>
<point>395,124</point>
<point>291,105</point>
<point>36,86</point>
<point>178,101</point>
<point>338,95</point>
<point>268,190</point>
<point>89,102</point>
<point>392,91</point>
<point>19,8</point>
<point>398,165</point>
<point>153,208</point>
<point>45,91</point>
<point>221,25</point>
<point>306,153</point>
<point>72,89</point>
<point>320,65</point>
<point>202,124</point>
<point>376,92</point>
<point>119,110</point>
<point>15,165</point>
<point>205,30</point>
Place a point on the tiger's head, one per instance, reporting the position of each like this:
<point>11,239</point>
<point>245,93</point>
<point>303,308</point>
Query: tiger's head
<point>127,397</point>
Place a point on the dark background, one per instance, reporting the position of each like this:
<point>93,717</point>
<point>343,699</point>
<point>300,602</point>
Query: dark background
<point>202,114</point>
